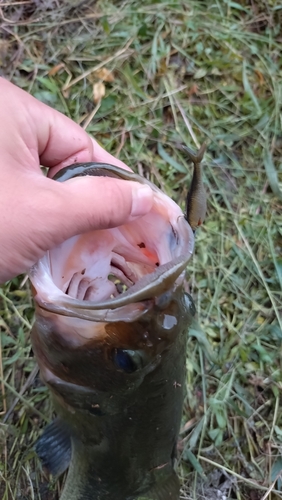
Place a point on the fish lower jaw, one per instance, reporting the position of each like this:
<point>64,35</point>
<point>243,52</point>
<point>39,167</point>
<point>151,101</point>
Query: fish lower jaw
<point>47,376</point>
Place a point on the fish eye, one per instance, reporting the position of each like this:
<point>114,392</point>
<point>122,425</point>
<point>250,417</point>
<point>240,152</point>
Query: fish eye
<point>127,360</point>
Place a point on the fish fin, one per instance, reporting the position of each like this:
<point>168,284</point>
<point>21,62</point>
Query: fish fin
<point>198,156</point>
<point>166,489</point>
<point>54,448</point>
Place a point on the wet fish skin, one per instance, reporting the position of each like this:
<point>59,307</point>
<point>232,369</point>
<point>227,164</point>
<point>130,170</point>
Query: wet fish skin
<point>123,426</point>
<point>119,397</point>
<point>99,170</point>
<point>196,206</point>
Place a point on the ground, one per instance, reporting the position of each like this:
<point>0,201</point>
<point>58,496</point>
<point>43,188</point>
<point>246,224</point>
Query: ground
<point>144,78</point>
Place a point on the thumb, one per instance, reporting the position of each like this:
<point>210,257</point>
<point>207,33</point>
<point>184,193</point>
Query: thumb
<point>48,212</point>
<point>87,203</point>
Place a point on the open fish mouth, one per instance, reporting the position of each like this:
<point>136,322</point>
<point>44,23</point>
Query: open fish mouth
<point>102,273</point>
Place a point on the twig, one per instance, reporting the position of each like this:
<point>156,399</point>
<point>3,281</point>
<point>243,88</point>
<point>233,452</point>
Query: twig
<point>121,144</point>
<point>2,384</point>
<point>18,23</point>
<point>100,65</point>
<point>23,320</point>
<point>10,4</point>
<point>187,122</point>
<point>24,401</point>
<point>232,473</point>
<point>92,114</point>
<point>260,273</point>
<point>26,385</point>
<point>270,489</point>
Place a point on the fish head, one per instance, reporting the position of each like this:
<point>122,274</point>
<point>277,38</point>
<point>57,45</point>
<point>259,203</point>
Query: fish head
<point>110,303</point>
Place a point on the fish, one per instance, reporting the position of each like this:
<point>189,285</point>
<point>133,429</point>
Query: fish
<point>196,206</point>
<point>111,320</point>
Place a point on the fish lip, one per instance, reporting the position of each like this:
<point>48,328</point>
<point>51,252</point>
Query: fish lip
<point>91,169</point>
<point>167,277</point>
<point>160,278</point>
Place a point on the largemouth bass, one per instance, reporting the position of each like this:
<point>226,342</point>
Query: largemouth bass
<point>110,340</point>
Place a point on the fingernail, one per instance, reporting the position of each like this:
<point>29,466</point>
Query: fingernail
<point>142,200</point>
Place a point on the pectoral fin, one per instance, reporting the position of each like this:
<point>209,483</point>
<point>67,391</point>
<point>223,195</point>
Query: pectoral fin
<point>54,448</point>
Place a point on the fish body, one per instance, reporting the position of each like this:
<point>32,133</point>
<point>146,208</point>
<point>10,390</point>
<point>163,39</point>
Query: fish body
<point>196,198</point>
<point>110,339</point>
<point>120,401</point>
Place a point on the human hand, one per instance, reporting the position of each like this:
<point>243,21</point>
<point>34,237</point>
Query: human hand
<point>37,213</point>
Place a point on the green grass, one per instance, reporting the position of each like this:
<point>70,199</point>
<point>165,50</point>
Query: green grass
<point>183,72</point>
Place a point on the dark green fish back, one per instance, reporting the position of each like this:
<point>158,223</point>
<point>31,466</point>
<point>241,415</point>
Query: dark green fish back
<point>119,391</point>
<point>123,439</point>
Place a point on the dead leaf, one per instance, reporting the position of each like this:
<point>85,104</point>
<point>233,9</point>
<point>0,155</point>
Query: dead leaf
<point>66,93</point>
<point>99,91</point>
<point>53,71</point>
<point>193,90</point>
<point>104,74</point>
<point>260,76</point>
